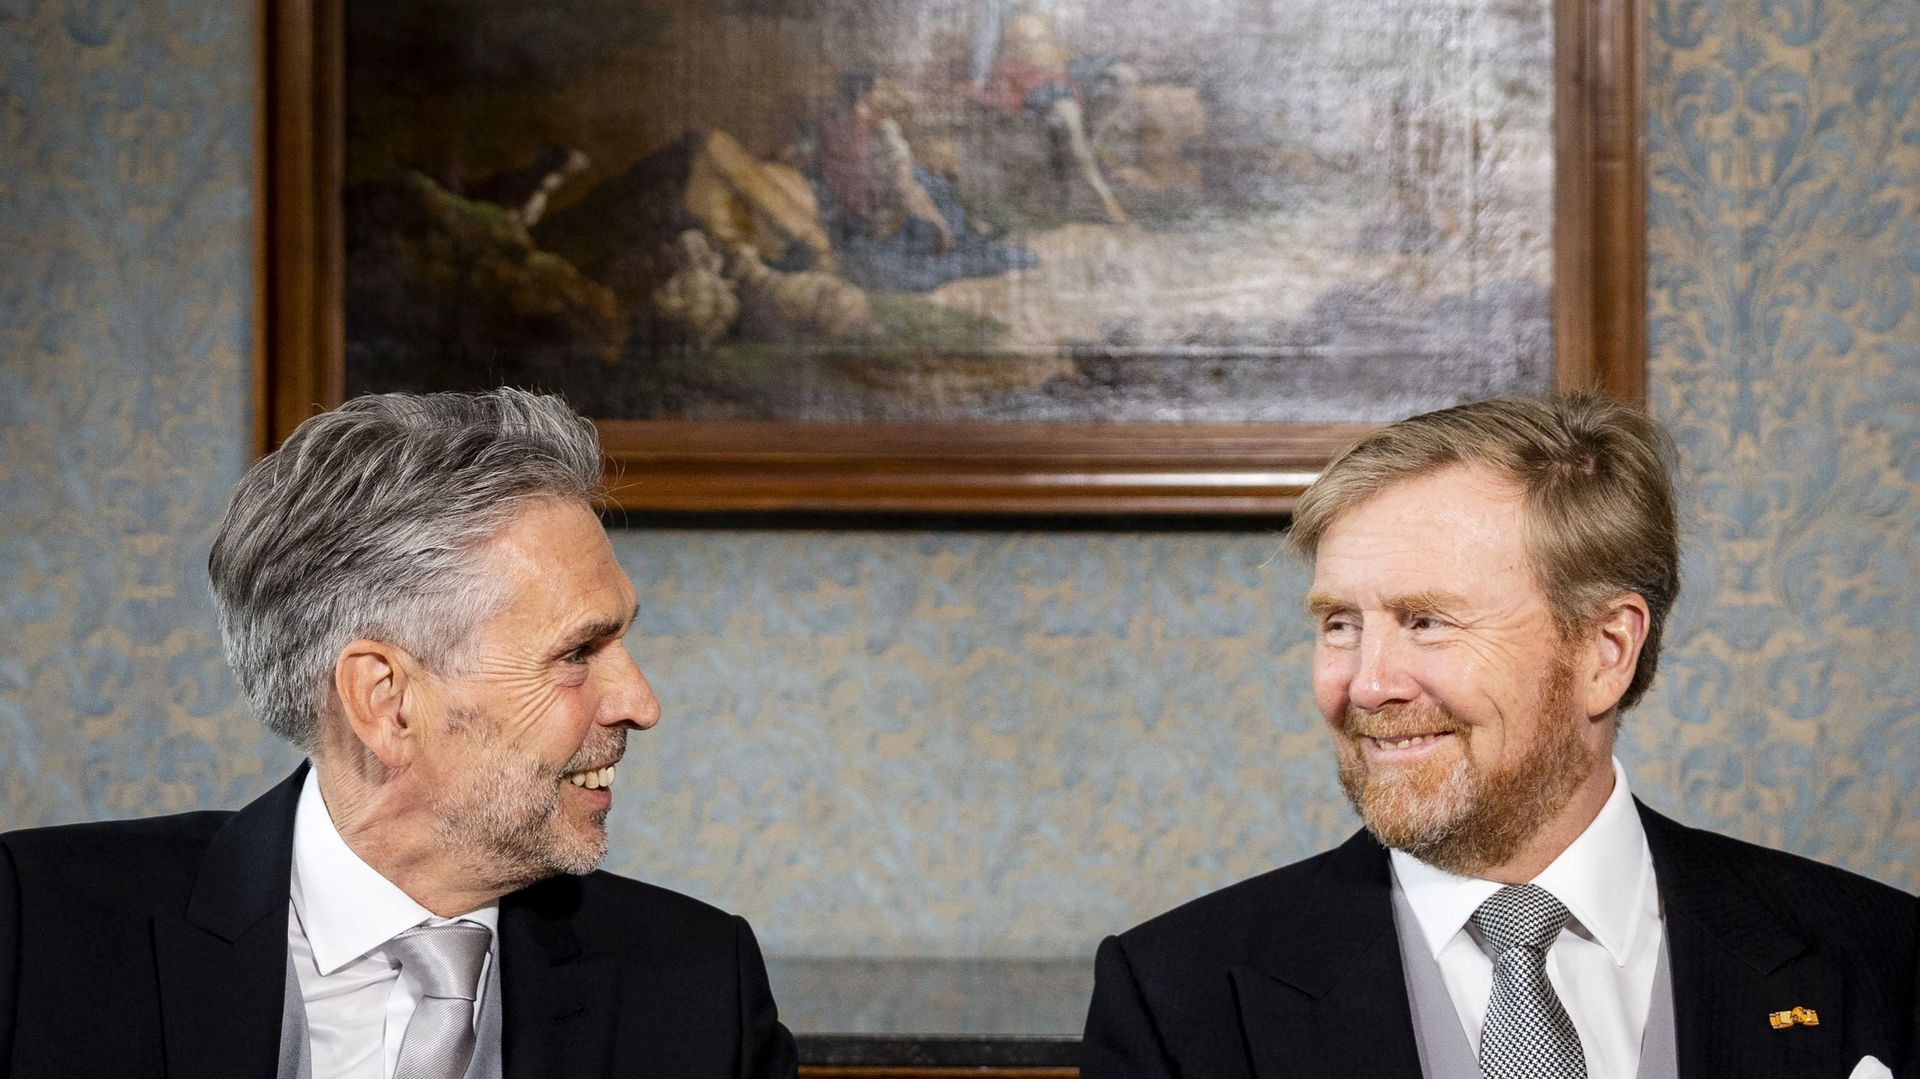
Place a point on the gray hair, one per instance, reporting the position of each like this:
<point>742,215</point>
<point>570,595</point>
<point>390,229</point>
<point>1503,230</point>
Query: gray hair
<point>365,523</point>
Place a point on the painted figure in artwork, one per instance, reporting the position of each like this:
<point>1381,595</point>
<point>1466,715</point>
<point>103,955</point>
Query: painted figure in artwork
<point>868,168</point>
<point>894,224</point>
<point>1030,73</point>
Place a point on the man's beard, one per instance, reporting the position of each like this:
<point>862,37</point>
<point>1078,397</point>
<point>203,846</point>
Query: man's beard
<point>1455,815</point>
<point>505,818</point>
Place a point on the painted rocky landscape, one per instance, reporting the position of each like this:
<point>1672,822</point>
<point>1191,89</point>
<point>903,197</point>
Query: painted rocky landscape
<point>952,209</point>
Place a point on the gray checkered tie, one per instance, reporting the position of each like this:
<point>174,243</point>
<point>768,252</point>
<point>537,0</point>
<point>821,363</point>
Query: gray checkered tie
<point>1528,1034</point>
<point>444,960</point>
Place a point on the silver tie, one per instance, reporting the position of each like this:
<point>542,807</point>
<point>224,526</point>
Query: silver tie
<point>444,960</point>
<point>1527,1034</point>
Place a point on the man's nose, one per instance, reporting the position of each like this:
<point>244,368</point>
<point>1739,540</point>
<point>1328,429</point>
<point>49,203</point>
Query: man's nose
<point>629,700</point>
<point>1381,675</point>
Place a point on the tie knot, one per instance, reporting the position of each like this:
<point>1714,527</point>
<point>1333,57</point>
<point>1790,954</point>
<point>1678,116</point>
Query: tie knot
<point>1520,916</point>
<point>443,959</point>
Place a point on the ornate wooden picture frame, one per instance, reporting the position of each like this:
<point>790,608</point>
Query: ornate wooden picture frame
<point>1123,140</point>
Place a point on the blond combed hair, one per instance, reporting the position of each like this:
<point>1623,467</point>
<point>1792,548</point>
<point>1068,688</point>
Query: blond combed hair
<point>1597,478</point>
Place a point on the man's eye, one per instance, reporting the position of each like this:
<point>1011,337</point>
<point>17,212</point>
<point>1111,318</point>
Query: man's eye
<point>1424,621</point>
<point>580,654</point>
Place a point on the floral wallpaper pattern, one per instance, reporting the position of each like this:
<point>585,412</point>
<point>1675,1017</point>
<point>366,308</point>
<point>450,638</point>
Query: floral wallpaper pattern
<point>125,296</point>
<point>990,743</point>
<point>1784,249</point>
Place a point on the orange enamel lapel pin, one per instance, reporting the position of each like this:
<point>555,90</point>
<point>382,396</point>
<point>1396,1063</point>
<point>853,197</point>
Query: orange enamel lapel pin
<point>1795,1017</point>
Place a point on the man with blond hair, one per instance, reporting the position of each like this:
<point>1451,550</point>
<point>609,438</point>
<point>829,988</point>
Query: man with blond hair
<point>1490,584</point>
<point>417,593</point>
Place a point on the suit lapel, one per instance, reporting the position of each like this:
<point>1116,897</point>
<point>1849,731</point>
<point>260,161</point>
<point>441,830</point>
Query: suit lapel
<point>558,998</point>
<point>1735,960</point>
<point>1323,993</point>
<point>223,963</point>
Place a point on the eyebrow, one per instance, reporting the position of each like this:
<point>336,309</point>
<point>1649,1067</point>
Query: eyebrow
<point>1427,601</point>
<point>599,630</point>
<point>1321,604</point>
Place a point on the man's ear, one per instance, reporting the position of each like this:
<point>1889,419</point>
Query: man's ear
<point>1617,637</point>
<point>378,688</point>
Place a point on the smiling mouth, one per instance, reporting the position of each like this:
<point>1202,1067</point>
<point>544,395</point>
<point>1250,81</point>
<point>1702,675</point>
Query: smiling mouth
<point>1392,746</point>
<point>591,778</point>
<point>1409,741</point>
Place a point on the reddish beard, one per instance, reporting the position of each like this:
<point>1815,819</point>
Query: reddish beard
<point>1452,813</point>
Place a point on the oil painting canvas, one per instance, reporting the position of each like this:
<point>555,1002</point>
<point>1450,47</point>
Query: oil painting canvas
<point>930,211</point>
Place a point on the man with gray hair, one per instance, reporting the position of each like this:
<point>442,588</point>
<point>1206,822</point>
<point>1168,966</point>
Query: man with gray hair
<point>1490,583</point>
<point>415,591</point>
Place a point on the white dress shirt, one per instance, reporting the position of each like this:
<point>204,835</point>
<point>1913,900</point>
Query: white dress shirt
<point>1604,963</point>
<point>344,912</point>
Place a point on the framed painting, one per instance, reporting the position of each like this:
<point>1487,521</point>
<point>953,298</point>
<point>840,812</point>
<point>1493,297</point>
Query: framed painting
<point>974,256</point>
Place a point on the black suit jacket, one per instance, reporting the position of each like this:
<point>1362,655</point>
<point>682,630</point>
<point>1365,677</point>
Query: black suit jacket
<point>159,947</point>
<point>1297,973</point>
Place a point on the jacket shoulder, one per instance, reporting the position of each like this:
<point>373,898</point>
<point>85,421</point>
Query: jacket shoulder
<point>623,914</point>
<point>627,893</point>
<point>1172,989</point>
<point>694,977</point>
<point>91,889</point>
<point>1225,925</point>
<point>1812,893</point>
<point>127,849</point>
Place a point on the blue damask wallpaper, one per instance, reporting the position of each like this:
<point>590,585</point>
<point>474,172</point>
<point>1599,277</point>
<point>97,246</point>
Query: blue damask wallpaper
<point>125,291</point>
<point>983,743</point>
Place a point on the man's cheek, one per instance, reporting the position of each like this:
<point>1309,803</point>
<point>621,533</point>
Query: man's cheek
<point>1329,694</point>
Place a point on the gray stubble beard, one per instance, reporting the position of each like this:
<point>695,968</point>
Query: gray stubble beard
<point>511,840</point>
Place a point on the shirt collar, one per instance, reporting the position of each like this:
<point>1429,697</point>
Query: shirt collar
<point>1605,878</point>
<point>345,906</point>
